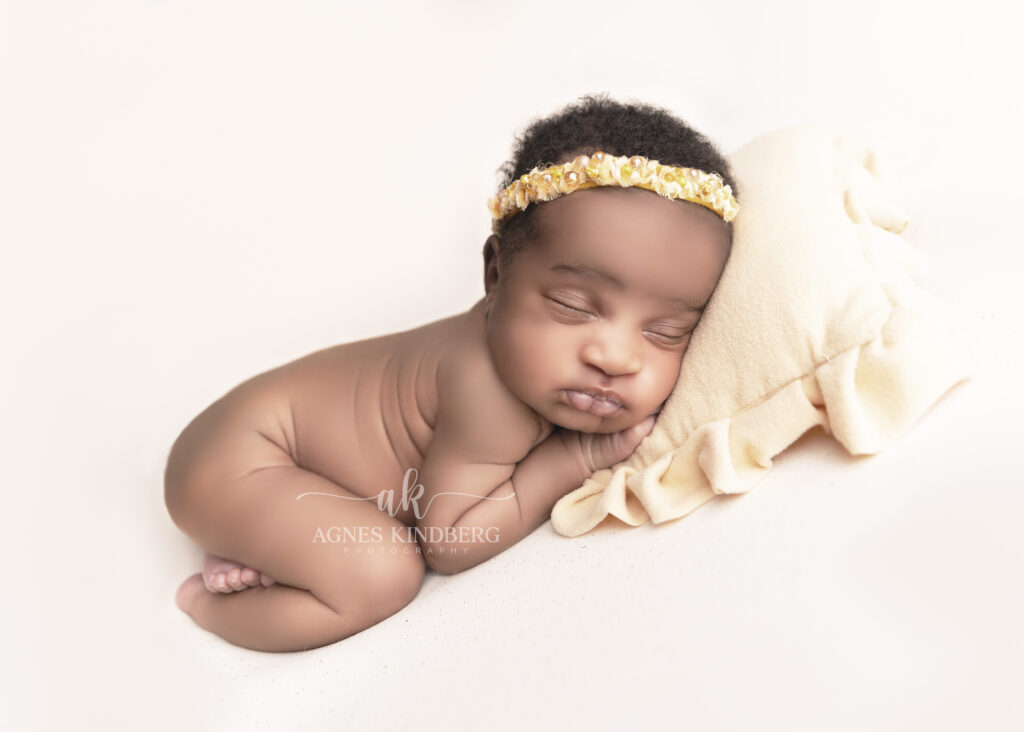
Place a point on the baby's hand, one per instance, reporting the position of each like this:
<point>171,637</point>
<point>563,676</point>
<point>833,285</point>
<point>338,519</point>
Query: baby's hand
<point>596,451</point>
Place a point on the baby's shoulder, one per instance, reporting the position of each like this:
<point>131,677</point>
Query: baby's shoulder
<point>476,409</point>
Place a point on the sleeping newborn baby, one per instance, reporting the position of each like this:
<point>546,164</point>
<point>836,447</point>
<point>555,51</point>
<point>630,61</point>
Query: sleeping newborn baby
<point>323,489</point>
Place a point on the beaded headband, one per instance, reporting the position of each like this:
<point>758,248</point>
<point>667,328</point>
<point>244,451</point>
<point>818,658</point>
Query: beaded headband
<point>601,169</point>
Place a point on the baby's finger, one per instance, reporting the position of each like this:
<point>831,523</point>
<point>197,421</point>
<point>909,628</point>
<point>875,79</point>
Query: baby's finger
<point>644,428</point>
<point>623,443</point>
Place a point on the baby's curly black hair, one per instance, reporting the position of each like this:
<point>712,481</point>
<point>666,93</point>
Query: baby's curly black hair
<point>596,122</point>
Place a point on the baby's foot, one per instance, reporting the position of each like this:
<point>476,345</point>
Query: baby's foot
<point>223,575</point>
<point>186,594</point>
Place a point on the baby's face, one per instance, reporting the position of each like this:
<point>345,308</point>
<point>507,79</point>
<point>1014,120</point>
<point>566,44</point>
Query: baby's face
<point>604,301</point>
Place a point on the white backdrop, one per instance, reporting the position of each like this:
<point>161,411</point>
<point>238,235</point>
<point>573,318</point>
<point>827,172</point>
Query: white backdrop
<point>194,192</point>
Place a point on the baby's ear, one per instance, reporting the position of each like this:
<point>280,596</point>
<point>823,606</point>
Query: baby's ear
<point>491,247</point>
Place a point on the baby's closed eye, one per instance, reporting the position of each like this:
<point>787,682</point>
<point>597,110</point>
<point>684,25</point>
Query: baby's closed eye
<point>578,307</point>
<point>579,311</point>
<point>670,336</point>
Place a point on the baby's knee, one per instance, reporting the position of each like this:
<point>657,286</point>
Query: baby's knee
<point>388,582</point>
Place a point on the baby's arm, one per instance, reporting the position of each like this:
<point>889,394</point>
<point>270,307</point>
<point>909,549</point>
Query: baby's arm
<point>489,506</point>
<point>494,472</point>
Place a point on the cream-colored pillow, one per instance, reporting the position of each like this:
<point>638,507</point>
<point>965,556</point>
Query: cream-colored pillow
<point>816,321</point>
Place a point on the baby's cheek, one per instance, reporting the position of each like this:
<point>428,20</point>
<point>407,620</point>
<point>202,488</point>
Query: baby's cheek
<point>545,341</point>
<point>669,375</point>
<point>530,354</point>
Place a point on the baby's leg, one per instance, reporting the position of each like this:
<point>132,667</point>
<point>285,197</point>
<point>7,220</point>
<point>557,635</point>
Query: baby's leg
<point>325,591</point>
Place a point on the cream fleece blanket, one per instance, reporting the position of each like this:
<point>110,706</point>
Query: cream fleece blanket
<point>816,321</point>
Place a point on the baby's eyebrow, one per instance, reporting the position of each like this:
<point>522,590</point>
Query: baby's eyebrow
<point>600,274</point>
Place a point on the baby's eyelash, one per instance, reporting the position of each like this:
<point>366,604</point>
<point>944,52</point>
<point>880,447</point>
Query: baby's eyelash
<point>567,306</point>
<point>672,338</point>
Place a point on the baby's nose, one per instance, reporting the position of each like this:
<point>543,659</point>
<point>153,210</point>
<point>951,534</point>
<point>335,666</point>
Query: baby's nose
<point>613,359</point>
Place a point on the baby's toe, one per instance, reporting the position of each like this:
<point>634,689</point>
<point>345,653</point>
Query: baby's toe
<point>265,580</point>
<point>216,582</point>
<point>208,578</point>
<point>234,578</point>
<point>250,577</point>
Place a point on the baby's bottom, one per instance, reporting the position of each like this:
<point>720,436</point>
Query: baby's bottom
<point>325,591</point>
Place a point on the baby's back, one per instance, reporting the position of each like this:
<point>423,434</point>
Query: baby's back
<point>360,414</point>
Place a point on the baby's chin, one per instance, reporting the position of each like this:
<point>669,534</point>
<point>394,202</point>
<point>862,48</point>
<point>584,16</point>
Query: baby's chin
<point>582,422</point>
